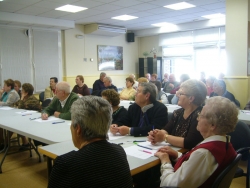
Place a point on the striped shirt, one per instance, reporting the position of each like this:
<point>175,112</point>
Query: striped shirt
<point>98,164</point>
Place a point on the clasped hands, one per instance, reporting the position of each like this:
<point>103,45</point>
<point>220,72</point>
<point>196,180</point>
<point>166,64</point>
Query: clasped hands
<point>123,130</point>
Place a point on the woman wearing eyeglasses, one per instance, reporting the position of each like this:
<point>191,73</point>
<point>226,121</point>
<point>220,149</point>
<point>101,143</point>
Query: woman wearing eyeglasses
<point>181,129</point>
<point>202,165</point>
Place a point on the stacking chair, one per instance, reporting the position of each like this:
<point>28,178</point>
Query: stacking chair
<point>170,98</point>
<point>46,103</point>
<point>240,172</point>
<point>226,176</point>
<point>41,97</point>
<point>90,90</point>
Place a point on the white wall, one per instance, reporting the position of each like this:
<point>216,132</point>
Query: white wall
<point>147,43</point>
<point>77,49</point>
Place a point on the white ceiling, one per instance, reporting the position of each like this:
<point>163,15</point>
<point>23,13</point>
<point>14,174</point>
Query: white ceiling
<point>101,11</point>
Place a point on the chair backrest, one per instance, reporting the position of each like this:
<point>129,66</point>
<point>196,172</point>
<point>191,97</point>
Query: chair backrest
<point>237,103</point>
<point>46,103</point>
<point>90,90</point>
<point>170,98</point>
<point>41,96</point>
<point>240,172</point>
<point>226,176</point>
<point>240,136</point>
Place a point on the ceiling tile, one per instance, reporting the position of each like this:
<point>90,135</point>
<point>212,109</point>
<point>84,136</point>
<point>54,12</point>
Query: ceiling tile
<point>24,2</point>
<point>191,10</point>
<point>33,10</point>
<point>105,1</point>
<point>214,6</point>
<point>82,14</point>
<point>142,14</point>
<point>49,4</point>
<point>128,3</point>
<point>125,11</point>
<point>10,7</point>
<point>54,14</point>
<point>63,1</point>
<point>165,2</point>
<point>202,2</point>
<point>88,3</point>
<point>159,10</point>
<point>108,7</point>
<point>145,6</point>
<point>172,14</point>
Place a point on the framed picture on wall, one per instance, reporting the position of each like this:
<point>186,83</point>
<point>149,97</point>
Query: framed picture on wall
<point>110,57</point>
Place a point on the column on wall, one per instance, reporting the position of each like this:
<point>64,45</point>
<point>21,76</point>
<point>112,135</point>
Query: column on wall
<point>237,45</point>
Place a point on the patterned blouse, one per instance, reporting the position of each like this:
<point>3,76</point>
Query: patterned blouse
<point>178,126</point>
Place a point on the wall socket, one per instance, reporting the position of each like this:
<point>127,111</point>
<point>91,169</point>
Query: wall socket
<point>85,59</point>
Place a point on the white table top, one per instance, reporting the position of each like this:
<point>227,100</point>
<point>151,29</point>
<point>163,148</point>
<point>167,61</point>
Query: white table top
<point>170,107</point>
<point>244,115</point>
<point>44,132</point>
<point>136,165</point>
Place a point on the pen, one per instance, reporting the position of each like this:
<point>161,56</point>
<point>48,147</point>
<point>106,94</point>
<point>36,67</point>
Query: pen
<point>153,127</point>
<point>139,141</point>
<point>26,114</point>
<point>119,143</point>
<point>144,147</point>
<point>145,151</point>
<point>58,122</point>
<point>35,118</point>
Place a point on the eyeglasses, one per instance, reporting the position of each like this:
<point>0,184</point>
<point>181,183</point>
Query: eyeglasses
<point>180,94</point>
<point>200,115</point>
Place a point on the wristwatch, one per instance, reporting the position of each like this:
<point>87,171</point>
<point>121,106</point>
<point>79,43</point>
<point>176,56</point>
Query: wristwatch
<point>166,138</point>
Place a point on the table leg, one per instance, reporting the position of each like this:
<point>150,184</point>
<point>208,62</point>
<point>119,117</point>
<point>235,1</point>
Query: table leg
<point>49,165</point>
<point>6,148</point>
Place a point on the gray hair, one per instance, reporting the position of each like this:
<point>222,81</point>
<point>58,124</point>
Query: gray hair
<point>63,86</point>
<point>102,74</point>
<point>221,84</point>
<point>93,114</point>
<point>151,89</point>
<point>223,113</point>
<point>132,76</point>
<point>108,78</point>
<point>197,89</point>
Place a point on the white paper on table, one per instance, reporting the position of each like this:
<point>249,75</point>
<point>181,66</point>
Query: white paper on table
<point>6,108</point>
<point>114,137</point>
<point>139,152</point>
<point>26,112</point>
<point>51,118</point>
<point>246,112</point>
<point>157,146</point>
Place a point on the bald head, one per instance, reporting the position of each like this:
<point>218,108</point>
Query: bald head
<point>63,86</point>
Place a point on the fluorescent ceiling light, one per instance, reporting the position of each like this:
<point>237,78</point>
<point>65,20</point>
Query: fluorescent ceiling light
<point>124,17</point>
<point>211,16</point>
<point>179,6</point>
<point>71,8</point>
<point>163,24</point>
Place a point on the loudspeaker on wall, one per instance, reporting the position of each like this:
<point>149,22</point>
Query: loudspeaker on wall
<point>130,37</point>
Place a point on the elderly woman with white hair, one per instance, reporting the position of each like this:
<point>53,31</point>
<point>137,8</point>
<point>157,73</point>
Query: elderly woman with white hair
<point>97,163</point>
<point>201,166</point>
<point>181,129</point>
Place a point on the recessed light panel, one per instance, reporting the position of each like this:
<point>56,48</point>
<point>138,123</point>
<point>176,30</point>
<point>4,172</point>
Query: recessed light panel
<point>211,16</point>
<point>71,8</point>
<point>125,17</point>
<point>179,6</point>
<point>162,24</point>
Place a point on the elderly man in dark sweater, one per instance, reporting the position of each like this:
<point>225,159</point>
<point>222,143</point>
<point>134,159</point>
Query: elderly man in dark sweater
<point>144,115</point>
